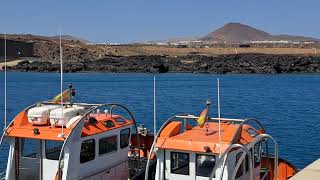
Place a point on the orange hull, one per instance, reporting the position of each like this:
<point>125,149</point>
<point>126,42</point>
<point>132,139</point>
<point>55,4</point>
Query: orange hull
<point>145,145</point>
<point>285,169</point>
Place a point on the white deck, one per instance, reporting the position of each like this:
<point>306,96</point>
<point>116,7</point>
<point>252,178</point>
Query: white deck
<point>312,171</point>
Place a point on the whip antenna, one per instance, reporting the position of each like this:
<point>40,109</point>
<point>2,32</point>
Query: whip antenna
<point>154,107</point>
<point>61,88</point>
<point>219,115</point>
<point>5,81</point>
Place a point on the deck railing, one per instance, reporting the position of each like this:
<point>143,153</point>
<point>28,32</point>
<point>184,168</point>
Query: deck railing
<point>224,157</point>
<point>3,175</point>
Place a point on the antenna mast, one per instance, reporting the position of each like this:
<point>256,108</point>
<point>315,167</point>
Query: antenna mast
<point>5,82</point>
<point>154,107</point>
<point>219,116</point>
<point>61,87</point>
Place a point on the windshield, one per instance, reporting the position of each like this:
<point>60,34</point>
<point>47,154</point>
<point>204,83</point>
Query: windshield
<point>53,149</point>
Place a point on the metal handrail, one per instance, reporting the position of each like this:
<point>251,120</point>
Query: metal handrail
<point>136,127</point>
<point>226,154</point>
<point>68,103</point>
<point>111,108</point>
<point>276,153</point>
<point>235,136</point>
<point>3,175</point>
<point>65,141</point>
<point>2,137</point>
<point>215,119</point>
<point>257,139</point>
<point>267,152</point>
<point>81,123</point>
<point>239,164</point>
<point>239,129</point>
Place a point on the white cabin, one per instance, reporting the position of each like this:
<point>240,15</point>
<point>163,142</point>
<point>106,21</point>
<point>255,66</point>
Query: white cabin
<point>93,145</point>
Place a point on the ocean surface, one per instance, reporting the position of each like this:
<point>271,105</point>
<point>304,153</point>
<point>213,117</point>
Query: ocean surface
<point>287,105</point>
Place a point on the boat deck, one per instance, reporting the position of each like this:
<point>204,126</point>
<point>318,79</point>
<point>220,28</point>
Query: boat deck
<point>312,171</point>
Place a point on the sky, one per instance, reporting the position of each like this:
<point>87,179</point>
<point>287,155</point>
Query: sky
<point>111,21</point>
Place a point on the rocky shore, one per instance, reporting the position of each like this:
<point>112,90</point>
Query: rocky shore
<point>241,63</point>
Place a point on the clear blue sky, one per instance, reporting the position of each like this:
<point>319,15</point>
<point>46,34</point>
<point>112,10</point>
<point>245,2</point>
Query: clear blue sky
<point>139,20</point>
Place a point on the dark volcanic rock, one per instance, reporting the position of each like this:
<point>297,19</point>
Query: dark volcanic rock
<point>151,64</point>
<point>242,63</point>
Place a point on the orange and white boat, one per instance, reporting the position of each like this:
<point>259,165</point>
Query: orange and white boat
<point>51,141</point>
<point>63,140</point>
<point>223,148</point>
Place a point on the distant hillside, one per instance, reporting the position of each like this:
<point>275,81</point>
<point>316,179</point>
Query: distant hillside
<point>240,33</point>
<point>236,32</point>
<point>71,38</point>
<point>47,48</point>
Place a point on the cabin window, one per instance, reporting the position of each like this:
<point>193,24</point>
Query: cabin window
<point>109,124</point>
<point>29,148</point>
<point>180,163</point>
<point>240,170</point>
<point>120,120</point>
<point>205,164</point>
<point>252,132</point>
<point>87,152</point>
<point>53,149</point>
<point>257,154</point>
<point>107,145</point>
<point>124,138</point>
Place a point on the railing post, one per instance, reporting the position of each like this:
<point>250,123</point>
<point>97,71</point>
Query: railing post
<point>225,157</point>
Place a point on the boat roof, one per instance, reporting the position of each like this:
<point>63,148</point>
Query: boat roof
<point>20,127</point>
<point>205,139</point>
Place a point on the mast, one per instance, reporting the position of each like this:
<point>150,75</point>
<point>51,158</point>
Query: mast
<point>61,87</point>
<point>219,115</point>
<point>154,107</point>
<point>5,82</point>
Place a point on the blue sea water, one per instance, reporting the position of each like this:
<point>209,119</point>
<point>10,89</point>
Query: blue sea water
<point>287,105</point>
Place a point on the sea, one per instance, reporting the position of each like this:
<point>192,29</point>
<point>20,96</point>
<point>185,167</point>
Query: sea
<point>288,105</point>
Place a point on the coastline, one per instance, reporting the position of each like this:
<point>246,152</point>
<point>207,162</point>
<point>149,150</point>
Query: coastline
<point>222,64</point>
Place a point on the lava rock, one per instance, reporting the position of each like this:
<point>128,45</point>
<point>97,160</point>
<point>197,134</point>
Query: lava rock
<point>237,64</point>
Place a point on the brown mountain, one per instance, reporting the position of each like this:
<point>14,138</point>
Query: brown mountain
<point>241,33</point>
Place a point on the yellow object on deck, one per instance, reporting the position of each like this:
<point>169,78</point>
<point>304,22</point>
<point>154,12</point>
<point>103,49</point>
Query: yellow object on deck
<point>65,95</point>
<point>202,119</point>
